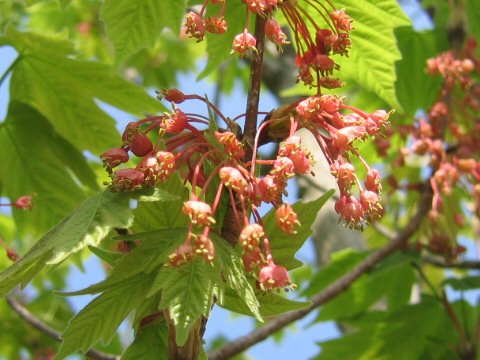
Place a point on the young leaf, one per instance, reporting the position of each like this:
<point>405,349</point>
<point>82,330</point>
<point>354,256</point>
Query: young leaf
<point>271,304</point>
<point>218,47</point>
<point>163,214</point>
<point>64,89</point>
<point>133,25</point>
<point>463,283</point>
<point>154,250</point>
<point>150,343</point>
<point>87,225</point>
<point>415,88</point>
<point>34,168</point>
<point>100,318</point>
<point>187,292</point>
<point>234,274</point>
<point>371,61</point>
<point>284,246</point>
<point>342,262</point>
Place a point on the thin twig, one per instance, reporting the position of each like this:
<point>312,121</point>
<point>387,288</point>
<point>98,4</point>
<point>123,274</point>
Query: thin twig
<point>331,291</point>
<point>38,324</point>
<point>468,265</point>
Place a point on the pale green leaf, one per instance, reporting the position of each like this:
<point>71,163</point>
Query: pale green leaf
<point>396,276</point>
<point>271,304</point>
<point>87,225</point>
<point>154,250</point>
<point>284,246</point>
<point>100,319</point>
<point>415,88</point>
<point>64,90</point>
<point>151,343</point>
<point>163,214</point>
<point>341,262</point>
<point>133,25</point>
<point>418,331</point>
<point>473,16</point>
<point>40,162</point>
<point>371,61</point>
<point>219,46</point>
<point>187,292</point>
<point>235,278</point>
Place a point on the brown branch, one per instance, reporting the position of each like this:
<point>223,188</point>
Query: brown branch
<point>253,98</point>
<point>38,324</point>
<point>473,265</point>
<point>331,291</point>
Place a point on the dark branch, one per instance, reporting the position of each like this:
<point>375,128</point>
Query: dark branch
<point>44,328</point>
<point>336,288</point>
<point>472,265</point>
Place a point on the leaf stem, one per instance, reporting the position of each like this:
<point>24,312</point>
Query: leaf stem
<point>9,69</point>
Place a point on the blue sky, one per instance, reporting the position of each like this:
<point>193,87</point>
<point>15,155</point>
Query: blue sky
<point>299,342</point>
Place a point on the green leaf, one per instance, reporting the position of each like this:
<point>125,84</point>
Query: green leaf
<point>415,88</point>
<point>154,250</point>
<point>64,89</point>
<point>64,4</point>
<point>100,319</point>
<point>219,46</point>
<point>463,283</point>
<point>342,262</point>
<point>371,61</point>
<point>187,292</point>
<point>396,277</point>
<point>163,215</point>
<point>284,246</point>
<point>473,16</point>
<point>271,304</point>
<point>235,278</point>
<point>392,339</point>
<point>40,162</point>
<point>133,25</point>
<point>151,343</point>
<point>110,257</point>
<point>87,225</point>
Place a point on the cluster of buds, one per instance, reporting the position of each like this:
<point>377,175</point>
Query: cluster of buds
<point>315,47</point>
<point>449,137</point>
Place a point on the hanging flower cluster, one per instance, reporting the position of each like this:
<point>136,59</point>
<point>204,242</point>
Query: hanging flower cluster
<point>451,142</point>
<point>214,162</point>
<point>315,43</point>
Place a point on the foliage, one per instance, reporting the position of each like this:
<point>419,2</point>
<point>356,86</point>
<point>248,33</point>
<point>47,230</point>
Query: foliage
<point>181,228</point>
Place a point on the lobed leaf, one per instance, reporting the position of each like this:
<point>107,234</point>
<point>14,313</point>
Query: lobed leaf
<point>271,304</point>
<point>150,343</point>
<point>371,61</point>
<point>284,246</point>
<point>87,225</point>
<point>235,278</point>
<point>134,25</point>
<point>40,162</point>
<point>64,90</point>
<point>187,292</point>
<point>100,319</point>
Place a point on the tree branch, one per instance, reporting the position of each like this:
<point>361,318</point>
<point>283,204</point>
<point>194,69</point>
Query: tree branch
<point>473,265</point>
<point>46,329</point>
<point>331,291</point>
<point>253,98</point>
